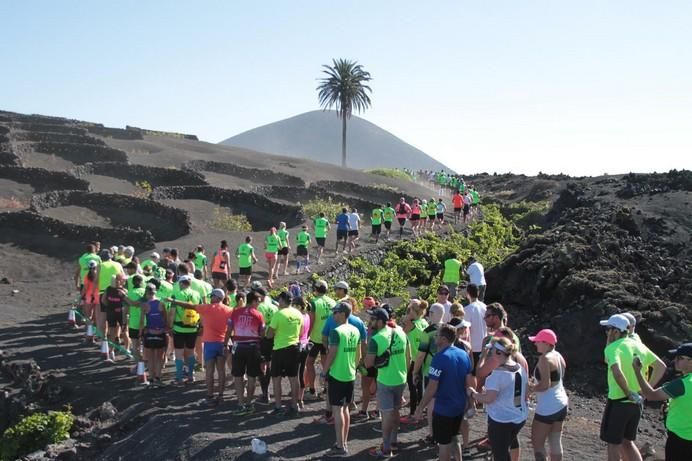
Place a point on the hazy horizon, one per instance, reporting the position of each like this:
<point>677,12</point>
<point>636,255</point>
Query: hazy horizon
<point>582,89</point>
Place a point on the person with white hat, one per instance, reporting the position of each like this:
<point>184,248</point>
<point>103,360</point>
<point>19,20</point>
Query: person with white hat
<point>623,409</point>
<point>633,323</point>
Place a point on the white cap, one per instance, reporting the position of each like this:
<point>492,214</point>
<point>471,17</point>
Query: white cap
<point>341,284</point>
<point>617,321</point>
<point>184,278</point>
<point>93,263</point>
<point>155,255</point>
<point>630,318</point>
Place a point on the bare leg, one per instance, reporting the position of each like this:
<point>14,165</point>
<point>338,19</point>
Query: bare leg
<point>539,434</point>
<point>221,369</point>
<point>209,377</point>
<point>276,382</point>
<point>339,425</point>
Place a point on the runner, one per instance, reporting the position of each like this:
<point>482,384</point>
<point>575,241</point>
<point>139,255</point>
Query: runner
<point>368,375</point>
<point>416,213</point>
<point>90,293</point>
<point>443,298</point>
<point>185,323</point>
<point>300,304</point>
<point>246,258</point>
<point>303,239</point>
<point>154,261</point>
<point>200,262</point>
<point>505,399</point>
<point>154,336</point>
<point>468,199</point>
<point>458,204</point>
<point>476,274</point>
<point>623,409</point>
<point>246,327</point>
<point>414,325</point>
<point>113,299</point>
<point>319,309</point>
<point>440,210</point>
<point>271,249</point>
<point>551,398</point>
<point>284,248</point>
<point>353,229</point>
<point>388,215</point>
<point>390,353</point>
<point>342,228</point>
<point>450,380</point>
<point>221,265</point>
<point>83,265</point>
<point>679,391</point>
<point>215,317</point>
<point>267,308</point>
<point>451,276</point>
<point>475,312</point>
<point>376,223</point>
<point>463,341</point>
<point>430,209</point>
<point>321,229</point>
<point>285,328</point>
<point>340,369</point>
<point>403,211</point>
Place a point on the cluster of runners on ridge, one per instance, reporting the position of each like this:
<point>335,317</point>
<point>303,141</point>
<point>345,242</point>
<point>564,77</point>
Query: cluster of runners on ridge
<point>455,360</point>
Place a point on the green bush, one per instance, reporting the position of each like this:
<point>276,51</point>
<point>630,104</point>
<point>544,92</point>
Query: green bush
<point>385,188</point>
<point>225,221</point>
<point>34,432</point>
<point>390,173</point>
<point>330,208</point>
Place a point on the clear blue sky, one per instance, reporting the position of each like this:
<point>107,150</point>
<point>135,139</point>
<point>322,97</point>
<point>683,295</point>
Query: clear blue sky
<point>580,87</point>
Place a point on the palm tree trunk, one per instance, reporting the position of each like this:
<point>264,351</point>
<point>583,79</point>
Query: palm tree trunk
<point>343,141</point>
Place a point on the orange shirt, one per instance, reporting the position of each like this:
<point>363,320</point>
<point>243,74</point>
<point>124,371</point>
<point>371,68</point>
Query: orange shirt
<point>91,290</point>
<point>214,318</point>
<point>458,201</point>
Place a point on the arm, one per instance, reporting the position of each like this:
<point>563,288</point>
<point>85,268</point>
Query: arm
<point>430,391</point>
<point>331,355</point>
<point>647,391</point>
<point>420,358</point>
<point>659,368</point>
<point>620,379</point>
<point>145,310</point>
<point>254,258</point>
<point>544,369</point>
<point>76,276</point>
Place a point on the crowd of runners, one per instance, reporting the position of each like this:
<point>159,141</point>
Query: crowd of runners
<point>457,357</point>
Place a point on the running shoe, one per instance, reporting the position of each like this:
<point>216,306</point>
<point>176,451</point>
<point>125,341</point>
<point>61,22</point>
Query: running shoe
<point>484,444</point>
<point>409,419</point>
<point>291,412</point>
<point>360,417</point>
<point>336,452</point>
<point>379,453</point>
<point>277,411</point>
<point>465,453</point>
<point>377,429</point>
<point>245,410</point>
<point>324,419</point>
<point>311,397</point>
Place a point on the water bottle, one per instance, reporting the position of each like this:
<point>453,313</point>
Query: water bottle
<point>258,446</point>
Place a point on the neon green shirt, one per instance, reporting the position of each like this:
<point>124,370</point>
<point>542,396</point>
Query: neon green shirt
<point>303,238</point>
<point>321,226</point>
<point>187,295</point>
<point>283,237</point>
<point>679,420</point>
<point>165,291</point>
<point>135,294</point>
<point>84,264</point>
<point>376,216</point>
<point>388,214</point>
<point>346,339</point>
<point>621,352</point>
<point>394,374</point>
<point>321,306</point>
<point>475,199</point>
<point>200,261</point>
<point>452,271</point>
<point>416,334</point>
<point>286,324</point>
<point>245,255</point>
<point>267,308</point>
<point>431,208</point>
<point>271,243</point>
<point>106,272</point>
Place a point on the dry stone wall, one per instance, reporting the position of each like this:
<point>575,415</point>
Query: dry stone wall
<point>258,175</point>
<point>80,153</point>
<point>43,180</point>
<point>153,175</point>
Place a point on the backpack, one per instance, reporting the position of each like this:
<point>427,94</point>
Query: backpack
<point>295,290</point>
<point>190,318</point>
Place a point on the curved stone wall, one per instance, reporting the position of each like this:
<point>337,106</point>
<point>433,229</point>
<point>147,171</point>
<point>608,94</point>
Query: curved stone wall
<point>43,180</point>
<point>351,189</point>
<point>155,176</point>
<point>258,175</point>
<point>80,153</point>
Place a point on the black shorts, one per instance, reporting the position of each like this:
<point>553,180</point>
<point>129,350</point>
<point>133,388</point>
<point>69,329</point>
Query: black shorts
<point>341,234</point>
<point>376,229</point>
<point>132,333</point>
<point>431,217</point>
<point>285,361</point>
<point>155,341</point>
<point>476,358</point>
<point>245,270</point>
<point>677,448</point>
<point>266,346</point>
<point>372,372</point>
<point>219,276</point>
<point>457,210</point>
<point>316,349</point>
<point>440,216</point>
<point>466,210</point>
<point>388,225</point>
<point>283,251</point>
<point>353,233</point>
<point>114,318</point>
<point>556,417</point>
<point>402,221</point>
<point>444,428</point>
<point>302,251</point>
<point>321,241</point>
<point>340,393</point>
<point>415,217</point>
<point>246,360</point>
<point>620,421</point>
<point>184,340</point>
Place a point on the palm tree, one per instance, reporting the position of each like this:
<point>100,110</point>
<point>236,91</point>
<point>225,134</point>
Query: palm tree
<point>344,86</point>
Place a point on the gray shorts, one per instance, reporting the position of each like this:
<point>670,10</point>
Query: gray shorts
<point>389,397</point>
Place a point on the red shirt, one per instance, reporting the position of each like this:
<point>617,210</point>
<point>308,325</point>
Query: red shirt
<point>247,324</point>
<point>458,201</point>
<point>214,321</point>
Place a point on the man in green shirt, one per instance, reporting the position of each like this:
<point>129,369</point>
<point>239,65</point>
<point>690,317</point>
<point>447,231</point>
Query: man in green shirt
<point>453,270</point>
<point>321,230</point>
<point>319,310</point>
<point>624,406</point>
<point>388,214</point>
<point>679,391</point>
<point>376,222</point>
<point>83,265</point>
<point>200,261</point>
<point>391,378</point>
<point>246,258</point>
<point>284,248</point>
<point>340,369</point>
<point>285,328</point>
<point>267,308</point>
<point>302,257</point>
<point>185,323</point>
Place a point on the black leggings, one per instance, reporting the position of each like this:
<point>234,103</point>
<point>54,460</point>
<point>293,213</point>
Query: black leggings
<point>503,437</point>
<point>415,390</point>
<point>302,357</point>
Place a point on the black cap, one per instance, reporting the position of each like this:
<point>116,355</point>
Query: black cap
<point>379,314</point>
<point>683,349</point>
<point>342,307</point>
<point>105,255</point>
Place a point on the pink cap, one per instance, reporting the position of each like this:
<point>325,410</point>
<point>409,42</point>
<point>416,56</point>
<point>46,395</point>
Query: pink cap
<point>544,336</point>
<point>369,302</point>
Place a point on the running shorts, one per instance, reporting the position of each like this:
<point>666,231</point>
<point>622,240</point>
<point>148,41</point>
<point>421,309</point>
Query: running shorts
<point>114,317</point>
<point>402,221</point>
<point>301,251</point>
<point>266,347</point>
<point>457,210</point>
<point>445,428</point>
<point>246,360</point>
<point>212,350</point>
<point>353,233</point>
<point>341,234</point>
<point>245,270</point>
<point>285,361</point>
<point>388,225</point>
<point>340,393</point>
<point>376,229</point>
<point>415,217</point>
<point>316,349</point>
<point>219,276</point>
<point>556,417</point>
<point>321,241</point>
<point>431,217</point>
<point>133,333</point>
<point>283,251</point>
<point>620,421</point>
<point>184,340</point>
<point>155,340</point>
<point>466,210</point>
<point>270,256</point>
<point>440,216</point>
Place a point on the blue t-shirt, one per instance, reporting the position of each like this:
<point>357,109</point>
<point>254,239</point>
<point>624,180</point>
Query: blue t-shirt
<point>330,324</point>
<point>342,222</point>
<point>449,368</point>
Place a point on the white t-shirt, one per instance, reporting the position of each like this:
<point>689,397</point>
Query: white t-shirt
<point>476,273</point>
<point>353,221</point>
<point>475,313</point>
<point>448,314</point>
<point>510,404</point>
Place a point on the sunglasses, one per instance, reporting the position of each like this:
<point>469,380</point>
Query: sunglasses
<point>682,357</point>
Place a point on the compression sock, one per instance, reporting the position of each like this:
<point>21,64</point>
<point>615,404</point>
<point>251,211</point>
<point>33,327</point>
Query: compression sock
<point>264,382</point>
<point>178,370</point>
<point>191,366</point>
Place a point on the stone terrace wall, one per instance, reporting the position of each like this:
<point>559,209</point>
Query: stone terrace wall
<point>260,211</point>
<point>50,137</point>
<point>81,153</point>
<point>115,133</point>
<point>49,128</point>
<point>153,175</point>
<point>43,180</point>
<point>59,239</point>
<point>164,222</point>
<point>372,193</point>
<point>258,175</point>
<point>303,195</point>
